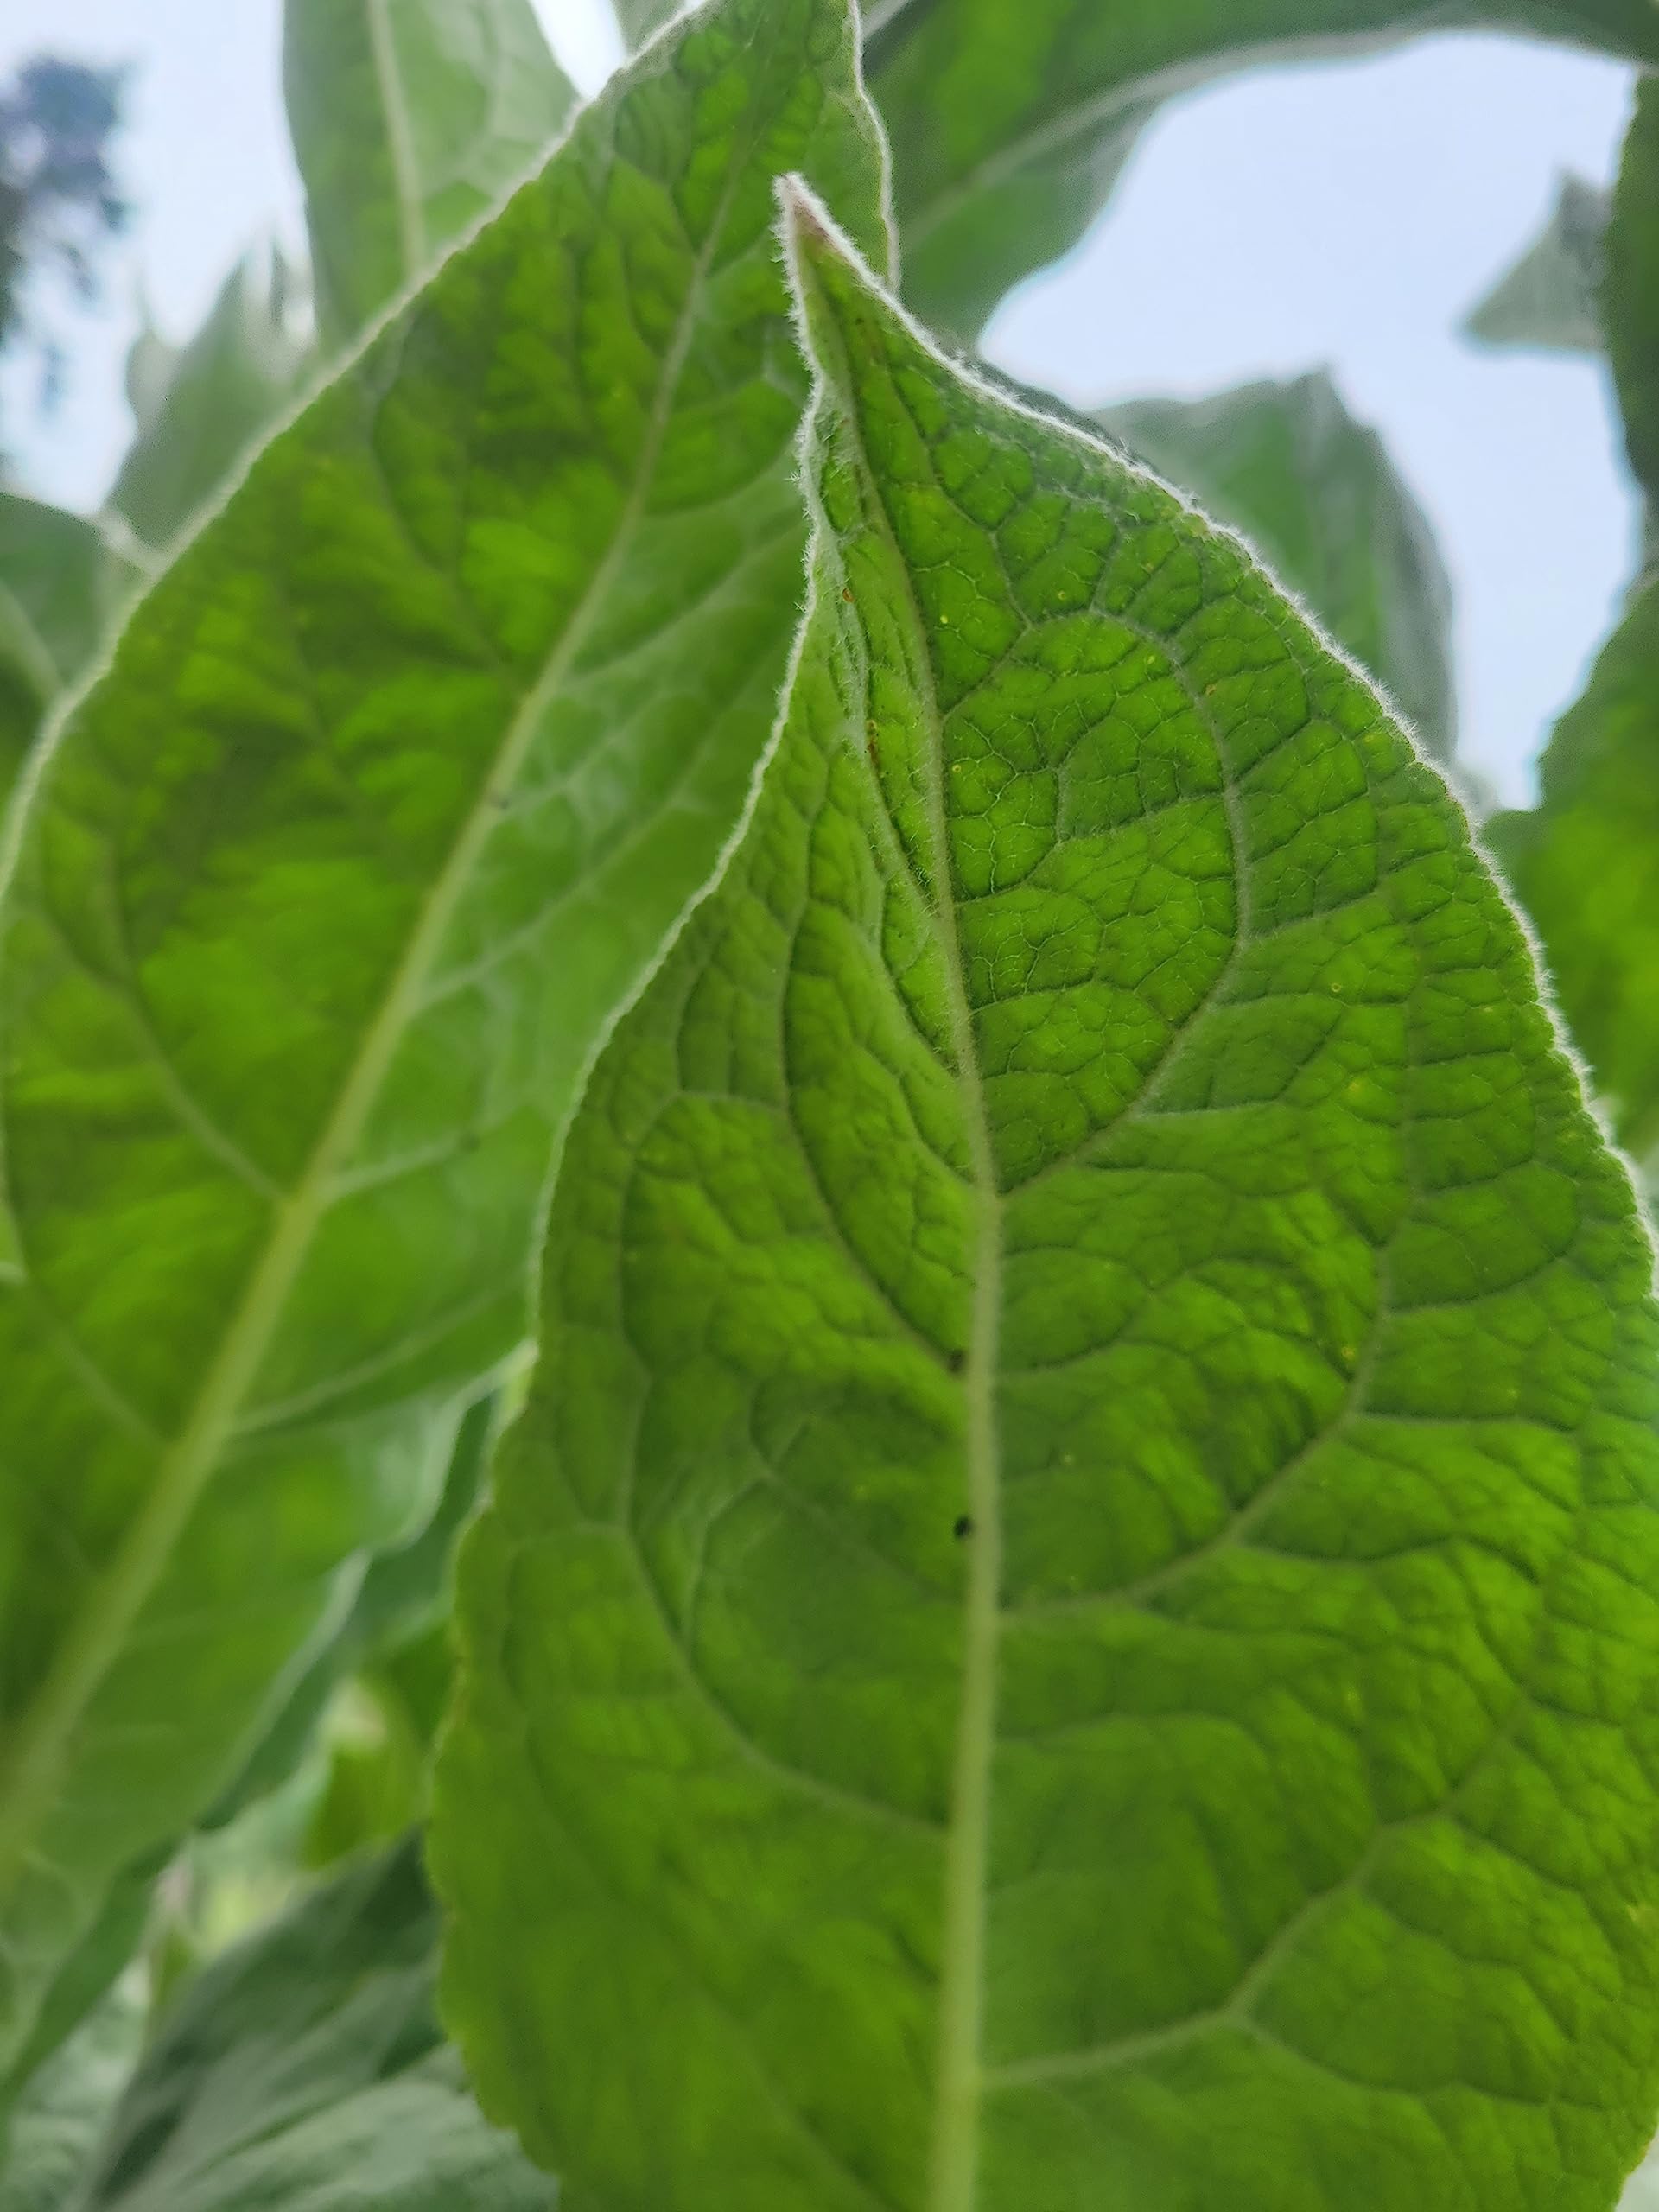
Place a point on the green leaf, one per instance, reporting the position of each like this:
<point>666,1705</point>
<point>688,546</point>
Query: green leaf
<point>223,390</point>
<point>397,778</point>
<point>61,582</point>
<point>1011,123</point>
<point>45,2151</point>
<point>1631,298</point>
<point>638,20</point>
<point>1551,299</point>
<point>1316,493</point>
<point>305,2071</point>
<point>410,117</point>
<point>1071,1621</point>
<point>1586,860</point>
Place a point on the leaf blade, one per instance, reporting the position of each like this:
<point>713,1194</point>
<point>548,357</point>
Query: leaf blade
<point>408,118</point>
<point>284,1043</point>
<point>724,1623</point>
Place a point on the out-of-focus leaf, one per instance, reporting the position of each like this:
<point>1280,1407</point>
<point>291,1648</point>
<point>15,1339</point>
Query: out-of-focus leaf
<point>1073,1619</point>
<point>1316,492</point>
<point>223,390</point>
<point>1630,295</point>
<point>397,778</point>
<point>1551,299</point>
<point>60,583</point>
<point>152,363</point>
<point>305,2071</point>
<point>45,2151</point>
<point>638,19</point>
<point>1585,863</point>
<point>410,117</point>
<point>1011,118</point>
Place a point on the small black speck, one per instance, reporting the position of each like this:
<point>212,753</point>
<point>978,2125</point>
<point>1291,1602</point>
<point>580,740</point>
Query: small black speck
<point>964,1526</point>
<point>956,1360</point>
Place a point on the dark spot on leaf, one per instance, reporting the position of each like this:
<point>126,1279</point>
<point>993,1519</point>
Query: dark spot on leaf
<point>956,1360</point>
<point>963,1526</point>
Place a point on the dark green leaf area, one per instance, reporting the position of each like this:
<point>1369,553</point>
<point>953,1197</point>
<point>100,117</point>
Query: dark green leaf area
<point>395,780</point>
<point>1315,493</point>
<point>1011,123</point>
<point>1631,289</point>
<point>1107,1103</point>
<point>305,2071</point>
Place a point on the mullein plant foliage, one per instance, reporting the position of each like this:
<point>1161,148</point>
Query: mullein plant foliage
<point>1072,1614</point>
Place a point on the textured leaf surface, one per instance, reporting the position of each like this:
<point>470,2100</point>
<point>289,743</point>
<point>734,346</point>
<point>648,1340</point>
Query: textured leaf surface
<point>397,777</point>
<point>1551,298</point>
<point>1585,861</point>
<point>47,2148</point>
<point>1071,1619</point>
<point>59,582</point>
<point>1316,493</point>
<point>305,2071</point>
<point>200,412</point>
<point>1010,123</point>
<point>409,118</point>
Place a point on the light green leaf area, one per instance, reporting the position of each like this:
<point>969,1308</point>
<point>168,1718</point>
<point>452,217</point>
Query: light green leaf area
<point>1010,123</point>
<point>1071,1620</point>
<point>638,20</point>
<point>60,583</point>
<point>397,778</point>
<point>1315,493</point>
<point>200,413</point>
<point>305,2071</point>
<point>1586,860</point>
<point>410,117</point>
<point>1550,300</point>
<point>45,2150</point>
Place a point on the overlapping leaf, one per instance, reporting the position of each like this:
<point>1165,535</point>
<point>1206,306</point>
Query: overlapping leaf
<point>1009,124</point>
<point>1316,493</point>
<point>396,778</point>
<point>408,118</point>
<point>1072,1617</point>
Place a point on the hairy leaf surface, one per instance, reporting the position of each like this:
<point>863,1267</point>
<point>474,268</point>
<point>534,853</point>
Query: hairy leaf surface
<point>409,118</point>
<point>1551,299</point>
<point>1010,123</point>
<point>305,2071</point>
<point>200,410</point>
<point>1071,1619</point>
<point>1316,493</point>
<point>397,778</point>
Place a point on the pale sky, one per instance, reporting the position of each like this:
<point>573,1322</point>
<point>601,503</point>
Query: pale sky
<point>1344,215</point>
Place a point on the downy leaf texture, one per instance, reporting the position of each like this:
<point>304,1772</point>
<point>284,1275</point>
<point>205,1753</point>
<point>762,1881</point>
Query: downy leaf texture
<point>1071,1620</point>
<point>1011,123</point>
<point>1584,862</point>
<point>304,2071</point>
<point>410,117</point>
<point>1316,495</point>
<point>394,782</point>
<point>1550,300</point>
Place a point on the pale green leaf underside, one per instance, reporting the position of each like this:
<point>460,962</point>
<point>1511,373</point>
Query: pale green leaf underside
<point>410,117</point>
<point>60,583</point>
<point>1550,299</point>
<point>1315,493</point>
<point>397,778</point>
<point>1010,123</point>
<point>1071,1622</point>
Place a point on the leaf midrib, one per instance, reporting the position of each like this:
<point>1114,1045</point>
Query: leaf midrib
<point>28,1773</point>
<point>400,142</point>
<point>953,2183</point>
